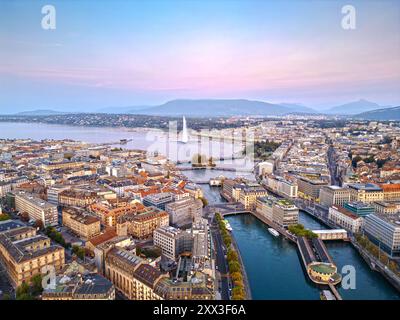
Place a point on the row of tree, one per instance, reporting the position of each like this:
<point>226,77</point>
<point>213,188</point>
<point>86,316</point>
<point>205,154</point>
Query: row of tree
<point>364,242</point>
<point>235,269</point>
<point>299,231</point>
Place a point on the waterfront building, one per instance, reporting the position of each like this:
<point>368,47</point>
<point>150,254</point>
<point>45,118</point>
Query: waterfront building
<point>333,196</point>
<point>182,212</point>
<point>264,206</point>
<point>23,253</point>
<point>81,223</point>
<point>159,200</point>
<point>345,219</point>
<point>248,196</point>
<point>36,208</point>
<point>384,230</point>
<point>361,209</point>
<point>368,192</point>
<point>285,213</point>
<point>142,226</point>
<point>310,187</point>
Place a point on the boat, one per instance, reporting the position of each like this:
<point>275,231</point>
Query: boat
<point>273,232</point>
<point>227,225</point>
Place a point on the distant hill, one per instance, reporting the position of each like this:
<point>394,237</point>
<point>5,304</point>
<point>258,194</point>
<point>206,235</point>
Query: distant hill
<point>298,108</point>
<point>354,107</point>
<point>40,112</point>
<point>217,108</point>
<point>381,114</point>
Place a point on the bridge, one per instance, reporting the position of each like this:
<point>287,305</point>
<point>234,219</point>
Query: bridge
<point>335,234</point>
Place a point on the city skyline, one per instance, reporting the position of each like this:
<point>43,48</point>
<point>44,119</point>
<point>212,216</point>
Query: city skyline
<point>148,53</point>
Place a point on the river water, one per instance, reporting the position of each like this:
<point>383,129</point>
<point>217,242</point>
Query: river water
<point>272,264</point>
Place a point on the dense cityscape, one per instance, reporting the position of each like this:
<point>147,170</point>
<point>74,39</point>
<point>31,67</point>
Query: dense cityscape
<point>114,222</point>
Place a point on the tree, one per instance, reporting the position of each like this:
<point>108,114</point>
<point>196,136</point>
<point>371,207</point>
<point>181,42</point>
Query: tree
<point>234,266</point>
<point>204,200</point>
<point>22,290</point>
<point>232,255</point>
<point>236,276</point>
<point>24,216</point>
<point>36,282</point>
<point>39,224</point>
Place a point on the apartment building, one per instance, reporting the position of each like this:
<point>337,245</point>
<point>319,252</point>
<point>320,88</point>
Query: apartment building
<point>23,254</point>
<point>110,211</point>
<point>130,274</point>
<point>36,208</point>
<point>142,226</point>
<point>81,223</point>
<point>334,196</point>
<point>182,212</point>
<point>76,198</point>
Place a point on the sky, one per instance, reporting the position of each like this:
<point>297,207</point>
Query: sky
<point>124,53</point>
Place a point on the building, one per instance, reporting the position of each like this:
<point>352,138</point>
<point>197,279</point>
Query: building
<point>264,206</point>
<point>266,167</point>
<point>142,226</point>
<point>74,282</point>
<point>131,275</point>
<point>285,213</point>
<point>345,219</point>
<point>287,188</point>
<point>333,196</point>
<point>81,223</point>
<point>310,187</point>
<point>54,191</point>
<point>368,192</point>
<point>182,212</point>
<point>62,165</point>
<point>36,208</point>
<point>361,209</point>
<point>110,211</point>
<point>172,241</point>
<point>248,196</point>
<point>386,207</point>
<point>24,254</point>
<point>158,200</point>
<point>391,192</point>
<point>384,230</point>
<point>76,198</point>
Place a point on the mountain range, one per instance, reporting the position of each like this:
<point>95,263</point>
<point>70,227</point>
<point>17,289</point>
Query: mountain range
<point>237,107</point>
<point>381,114</point>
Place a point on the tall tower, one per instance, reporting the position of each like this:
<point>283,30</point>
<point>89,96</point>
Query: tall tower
<point>185,137</point>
